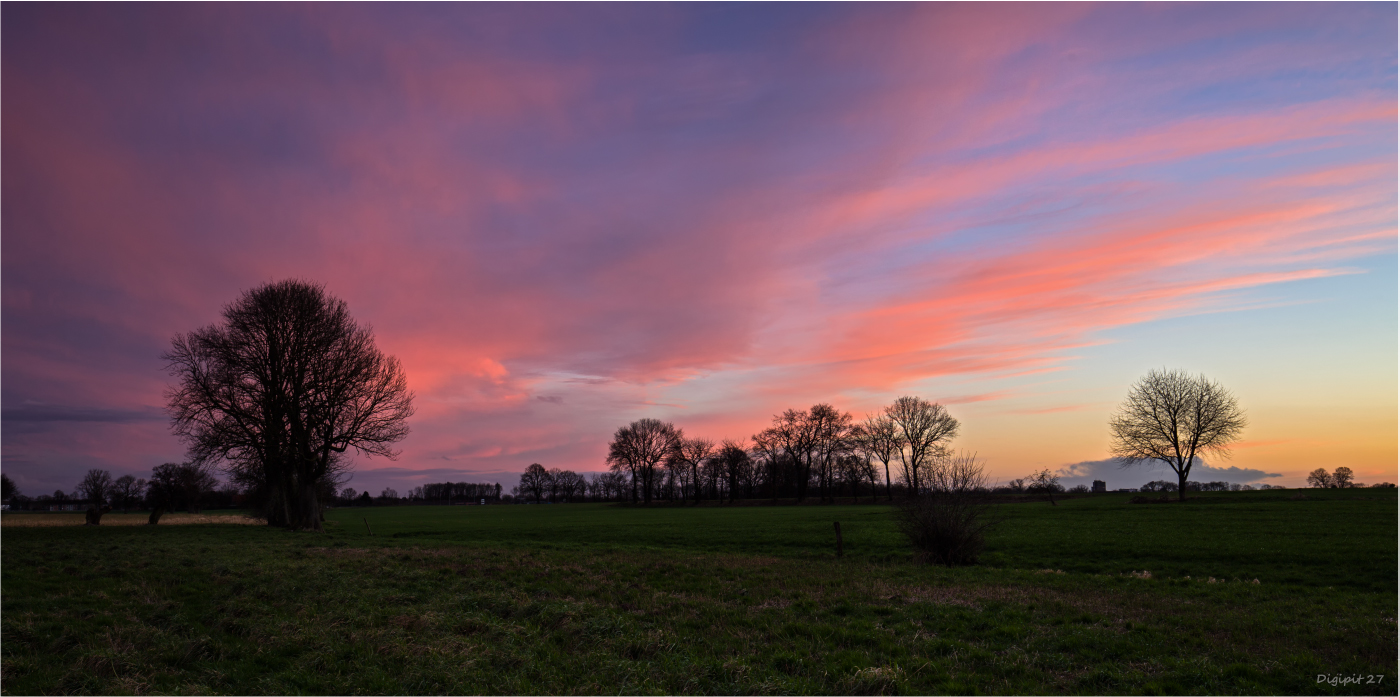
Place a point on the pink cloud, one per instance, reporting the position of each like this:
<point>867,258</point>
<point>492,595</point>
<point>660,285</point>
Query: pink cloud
<point>906,194</point>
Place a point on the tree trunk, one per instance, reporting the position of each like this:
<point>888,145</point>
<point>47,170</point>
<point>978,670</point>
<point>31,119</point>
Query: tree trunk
<point>1181,484</point>
<point>305,509</point>
<point>802,484</point>
<point>277,513</point>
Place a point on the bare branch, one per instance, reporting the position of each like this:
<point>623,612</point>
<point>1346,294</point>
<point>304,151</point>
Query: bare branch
<point>281,389</point>
<point>1174,417</point>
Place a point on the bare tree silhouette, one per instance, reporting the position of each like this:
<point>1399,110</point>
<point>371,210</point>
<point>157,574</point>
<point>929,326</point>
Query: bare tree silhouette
<point>127,489</point>
<point>734,460</point>
<point>879,437</point>
<point>1045,482</point>
<point>96,486</point>
<point>791,433</point>
<point>767,446</point>
<point>1319,479</point>
<point>639,447</point>
<point>1341,477</point>
<point>281,389</point>
<point>830,431</point>
<point>536,481</point>
<point>924,427</point>
<point>689,453</point>
<point>1174,417</point>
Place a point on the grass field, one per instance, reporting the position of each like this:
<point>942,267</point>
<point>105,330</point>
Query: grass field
<point>594,599</point>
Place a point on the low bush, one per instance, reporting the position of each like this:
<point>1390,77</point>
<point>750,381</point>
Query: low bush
<point>948,523</point>
<point>946,528</point>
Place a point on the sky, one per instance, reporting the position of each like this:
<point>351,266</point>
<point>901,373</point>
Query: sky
<point>563,218</point>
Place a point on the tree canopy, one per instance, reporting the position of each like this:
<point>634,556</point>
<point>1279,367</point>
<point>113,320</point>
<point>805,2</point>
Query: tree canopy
<point>1174,417</point>
<point>280,390</point>
<point>639,447</point>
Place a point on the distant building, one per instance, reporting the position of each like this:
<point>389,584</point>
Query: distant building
<point>1126,491</point>
<point>1099,487</point>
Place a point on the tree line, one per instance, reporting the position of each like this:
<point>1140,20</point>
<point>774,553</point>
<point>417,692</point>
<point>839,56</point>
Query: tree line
<point>172,486</point>
<point>819,451</point>
<point>820,448</point>
<point>443,493</point>
<point>1172,487</point>
<point>1340,478</point>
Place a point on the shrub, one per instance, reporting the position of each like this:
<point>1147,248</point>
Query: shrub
<point>948,525</point>
<point>945,528</point>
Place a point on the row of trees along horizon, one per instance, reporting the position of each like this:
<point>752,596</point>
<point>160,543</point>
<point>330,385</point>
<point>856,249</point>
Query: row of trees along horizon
<point>184,487</point>
<point>192,487</point>
<point>188,487</point>
<point>281,392</point>
<point>172,486</point>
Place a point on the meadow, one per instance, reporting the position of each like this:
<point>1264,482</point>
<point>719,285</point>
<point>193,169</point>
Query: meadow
<point>1094,595</point>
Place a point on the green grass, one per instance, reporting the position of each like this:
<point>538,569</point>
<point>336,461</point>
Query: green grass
<point>593,599</point>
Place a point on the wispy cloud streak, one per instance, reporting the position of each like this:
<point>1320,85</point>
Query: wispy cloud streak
<point>564,219</point>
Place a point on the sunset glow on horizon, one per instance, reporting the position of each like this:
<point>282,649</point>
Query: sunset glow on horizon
<point>563,218</point>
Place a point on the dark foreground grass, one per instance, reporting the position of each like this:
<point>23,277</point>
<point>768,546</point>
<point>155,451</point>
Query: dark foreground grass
<point>593,599</point>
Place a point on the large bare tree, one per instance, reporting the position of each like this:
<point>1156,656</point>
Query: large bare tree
<point>536,481</point>
<point>281,389</point>
<point>689,453</point>
<point>924,427</point>
<point>127,489</point>
<point>1320,479</point>
<point>639,447</point>
<point>879,437</point>
<point>96,487</point>
<point>830,431</point>
<point>767,446</point>
<point>733,458</point>
<point>793,435</point>
<point>1341,478</point>
<point>1174,417</point>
